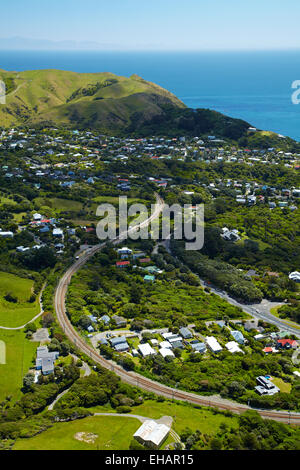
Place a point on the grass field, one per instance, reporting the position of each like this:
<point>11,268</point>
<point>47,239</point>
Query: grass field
<point>109,433</point>
<point>58,204</point>
<point>115,200</point>
<point>16,314</point>
<point>183,415</point>
<point>19,354</point>
<point>283,386</point>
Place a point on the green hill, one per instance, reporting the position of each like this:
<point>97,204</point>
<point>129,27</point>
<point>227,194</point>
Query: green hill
<point>108,103</point>
<point>99,100</point>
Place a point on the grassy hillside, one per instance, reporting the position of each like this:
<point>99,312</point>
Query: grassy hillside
<point>14,314</point>
<point>101,100</point>
<point>108,103</point>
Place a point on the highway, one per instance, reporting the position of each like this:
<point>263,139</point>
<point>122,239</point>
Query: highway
<point>133,378</point>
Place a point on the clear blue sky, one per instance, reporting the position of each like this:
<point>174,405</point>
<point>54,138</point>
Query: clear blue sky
<point>157,24</point>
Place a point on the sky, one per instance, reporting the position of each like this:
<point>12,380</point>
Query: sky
<point>154,24</point>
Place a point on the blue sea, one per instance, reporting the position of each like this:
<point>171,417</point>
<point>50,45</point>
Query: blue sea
<point>254,86</point>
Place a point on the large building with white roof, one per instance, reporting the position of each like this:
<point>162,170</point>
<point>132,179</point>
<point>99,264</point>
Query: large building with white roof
<point>152,434</point>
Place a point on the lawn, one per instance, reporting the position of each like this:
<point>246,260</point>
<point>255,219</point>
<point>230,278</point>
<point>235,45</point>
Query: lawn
<point>19,355</point>
<point>183,415</point>
<point>108,433</point>
<point>16,314</point>
<point>59,204</point>
<point>283,386</point>
<point>115,200</point>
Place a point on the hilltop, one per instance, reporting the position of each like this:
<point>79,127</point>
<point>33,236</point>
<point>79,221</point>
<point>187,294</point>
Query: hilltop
<point>99,100</point>
<point>106,102</point>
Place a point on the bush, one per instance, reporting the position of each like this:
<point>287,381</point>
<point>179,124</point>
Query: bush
<point>123,409</point>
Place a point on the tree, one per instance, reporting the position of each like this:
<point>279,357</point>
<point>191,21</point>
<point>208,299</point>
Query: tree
<point>28,381</point>
<point>47,320</point>
<point>30,327</point>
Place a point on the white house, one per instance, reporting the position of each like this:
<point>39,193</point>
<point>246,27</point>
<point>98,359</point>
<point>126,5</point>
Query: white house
<point>146,350</point>
<point>233,347</point>
<point>295,276</point>
<point>213,344</point>
<point>166,352</point>
<point>152,434</point>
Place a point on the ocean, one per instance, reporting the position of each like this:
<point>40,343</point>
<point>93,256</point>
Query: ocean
<point>254,86</point>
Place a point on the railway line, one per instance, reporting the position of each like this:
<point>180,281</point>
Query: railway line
<point>133,378</point>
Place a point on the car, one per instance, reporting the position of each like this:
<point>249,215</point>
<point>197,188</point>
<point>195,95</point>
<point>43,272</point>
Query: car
<point>76,257</point>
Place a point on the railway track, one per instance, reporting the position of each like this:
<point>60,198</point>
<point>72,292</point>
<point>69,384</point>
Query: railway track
<point>133,378</point>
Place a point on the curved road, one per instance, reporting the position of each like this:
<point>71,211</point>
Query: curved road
<point>260,311</point>
<point>133,378</point>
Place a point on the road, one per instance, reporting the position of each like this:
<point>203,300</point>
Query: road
<point>260,311</point>
<point>133,378</point>
<point>87,371</point>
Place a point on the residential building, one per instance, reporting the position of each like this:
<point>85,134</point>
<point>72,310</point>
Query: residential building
<point>213,344</point>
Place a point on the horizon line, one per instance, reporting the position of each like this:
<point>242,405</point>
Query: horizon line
<point>285,49</point>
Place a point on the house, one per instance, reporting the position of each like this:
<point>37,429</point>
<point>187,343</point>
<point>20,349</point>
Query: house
<point>45,360</point>
<point>124,252</point>
<point>295,276</point>
<point>165,345</point>
<point>165,352</point>
<point>287,343</point>
<point>122,347</point>
<point>153,270</point>
<point>152,434</point>
<point>199,347</point>
<point>185,333</point>
<point>238,336</point>
<point>145,260</point>
<point>269,349</point>
<point>265,386</point>
<point>213,344</point>
<point>122,264</point>
<point>149,278</point>
<point>105,319</point>
<point>119,344</point>
<point>230,235</point>
<point>233,347</point>
<point>146,350</point>
<point>58,232</point>
<point>167,336</point>
<point>6,234</point>
<point>138,255</point>
<point>117,340</point>
<point>250,325</point>
<point>119,321</point>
